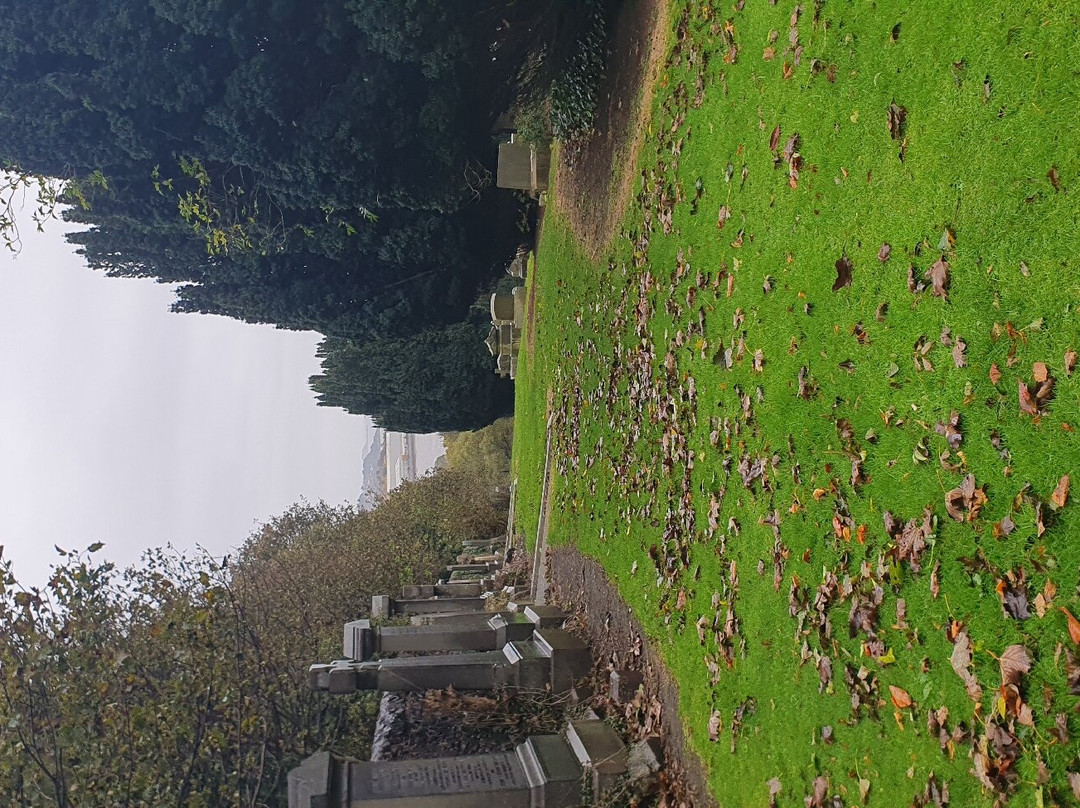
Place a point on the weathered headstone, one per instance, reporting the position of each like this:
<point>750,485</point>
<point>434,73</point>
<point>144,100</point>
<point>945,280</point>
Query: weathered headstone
<point>481,632</point>
<point>623,685</point>
<point>552,659</point>
<point>458,589</point>
<point>384,607</point>
<point>540,773</point>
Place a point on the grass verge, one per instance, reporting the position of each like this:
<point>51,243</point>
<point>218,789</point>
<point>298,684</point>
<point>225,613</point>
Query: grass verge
<point>797,412</point>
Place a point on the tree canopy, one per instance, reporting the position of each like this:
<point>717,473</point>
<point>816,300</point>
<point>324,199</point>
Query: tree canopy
<point>319,165</point>
<point>183,681</point>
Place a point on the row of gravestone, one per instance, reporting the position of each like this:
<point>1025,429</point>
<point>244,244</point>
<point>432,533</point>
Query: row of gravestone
<point>458,644</point>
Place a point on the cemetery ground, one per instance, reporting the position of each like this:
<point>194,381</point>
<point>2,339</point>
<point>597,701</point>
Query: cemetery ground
<point>813,407</point>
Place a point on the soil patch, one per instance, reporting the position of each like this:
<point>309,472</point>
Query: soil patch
<point>595,176</point>
<point>582,587</point>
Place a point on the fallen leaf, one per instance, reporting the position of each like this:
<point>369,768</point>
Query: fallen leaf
<point>958,355</point>
<point>901,699</point>
<point>843,273</point>
<point>897,120</point>
<point>1039,371</point>
<point>1014,663</point>
<point>884,252</point>
<point>775,787</point>
<point>716,725</point>
<point>938,275</point>
<point>1027,402</point>
<point>1061,493</point>
<point>723,216</point>
<point>774,139</point>
<point>995,374</point>
<point>1054,177</point>
<point>1074,783</point>
<point>1074,625</point>
<point>1070,361</point>
<point>961,663</point>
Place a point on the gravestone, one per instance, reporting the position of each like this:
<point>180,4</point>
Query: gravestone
<point>502,308</point>
<point>542,772</point>
<point>457,589</point>
<point>552,659</point>
<point>384,607</point>
<point>480,632</point>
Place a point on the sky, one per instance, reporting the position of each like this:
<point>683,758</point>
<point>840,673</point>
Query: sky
<point>123,423</point>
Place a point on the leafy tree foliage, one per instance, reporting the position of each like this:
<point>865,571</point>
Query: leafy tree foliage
<point>182,682</point>
<point>485,452</point>
<point>307,164</point>
<point>434,381</point>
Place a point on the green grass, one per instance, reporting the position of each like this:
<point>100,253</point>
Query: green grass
<point>975,163</point>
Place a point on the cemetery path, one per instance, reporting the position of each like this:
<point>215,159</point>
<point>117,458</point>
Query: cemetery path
<point>596,177</point>
<point>581,586</point>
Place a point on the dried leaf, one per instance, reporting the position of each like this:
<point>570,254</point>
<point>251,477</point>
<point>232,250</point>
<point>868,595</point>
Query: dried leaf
<point>1054,177</point>
<point>884,252</point>
<point>1039,371</point>
<point>897,120</point>
<point>1027,402</point>
<point>774,139</point>
<point>716,725</point>
<point>961,663</point>
<point>938,275</point>
<point>1074,625</point>
<point>1070,361</point>
<point>995,374</point>
<point>958,355</point>
<point>1074,783</point>
<point>1061,493</point>
<point>1014,663</point>
<point>901,699</point>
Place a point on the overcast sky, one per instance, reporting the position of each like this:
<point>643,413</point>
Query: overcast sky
<point>123,423</point>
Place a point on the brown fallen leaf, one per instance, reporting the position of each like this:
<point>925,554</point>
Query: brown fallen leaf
<point>938,275</point>
<point>1061,493</point>
<point>901,699</point>
<point>1039,371</point>
<point>1027,401</point>
<point>1074,625</point>
<point>884,252</point>
<point>1074,783</point>
<point>775,787</point>
<point>958,352</point>
<point>774,139</point>
<point>995,374</point>
<point>723,216</point>
<point>961,663</point>
<point>843,273</point>
<point>897,120</point>
<point>1014,662</point>
<point>1070,361</point>
<point>1054,177</point>
<point>716,725</point>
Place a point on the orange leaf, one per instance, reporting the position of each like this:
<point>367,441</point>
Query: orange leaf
<point>1061,493</point>
<point>1074,625</point>
<point>1039,371</point>
<point>900,698</point>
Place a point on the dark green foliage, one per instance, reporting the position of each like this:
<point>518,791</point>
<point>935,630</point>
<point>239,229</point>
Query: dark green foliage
<point>437,380</point>
<point>574,90</point>
<point>296,163</point>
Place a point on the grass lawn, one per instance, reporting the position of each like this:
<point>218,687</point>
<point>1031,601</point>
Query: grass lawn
<point>817,448</point>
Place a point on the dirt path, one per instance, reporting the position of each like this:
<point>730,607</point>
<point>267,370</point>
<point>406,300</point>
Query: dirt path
<point>581,585</point>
